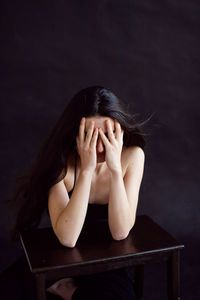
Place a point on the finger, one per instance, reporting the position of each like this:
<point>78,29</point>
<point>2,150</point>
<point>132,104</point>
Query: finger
<point>122,134</point>
<point>89,134</point>
<point>77,144</point>
<point>104,138</point>
<point>118,130</point>
<point>77,140</point>
<point>111,135</point>
<point>121,138</point>
<point>94,138</point>
<point>82,130</point>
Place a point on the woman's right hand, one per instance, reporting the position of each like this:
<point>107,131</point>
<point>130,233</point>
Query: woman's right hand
<point>86,146</point>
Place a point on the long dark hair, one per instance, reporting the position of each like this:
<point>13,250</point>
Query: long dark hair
<point>31,196</point>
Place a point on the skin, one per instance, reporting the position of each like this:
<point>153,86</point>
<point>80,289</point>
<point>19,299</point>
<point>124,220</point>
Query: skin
<point>97,128</point>
<point>102,160</point>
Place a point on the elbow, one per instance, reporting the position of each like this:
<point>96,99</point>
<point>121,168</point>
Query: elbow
<point>67,243</point>
<point>123,234</point>
<point>65,239</point>
<point>120,236</point>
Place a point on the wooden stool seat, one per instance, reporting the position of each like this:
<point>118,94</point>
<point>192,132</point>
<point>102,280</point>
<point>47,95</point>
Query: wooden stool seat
<point>96,251</point>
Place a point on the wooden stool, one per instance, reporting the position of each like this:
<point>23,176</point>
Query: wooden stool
<point>96,251</point>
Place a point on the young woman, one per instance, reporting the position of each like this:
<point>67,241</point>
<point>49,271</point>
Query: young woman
<point>94,144</point>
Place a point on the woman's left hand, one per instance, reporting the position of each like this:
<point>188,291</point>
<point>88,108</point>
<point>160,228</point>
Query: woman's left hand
<point>113,145</point>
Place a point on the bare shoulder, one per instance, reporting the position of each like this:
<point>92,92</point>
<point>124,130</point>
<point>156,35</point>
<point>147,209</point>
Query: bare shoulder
<point>132,155</point>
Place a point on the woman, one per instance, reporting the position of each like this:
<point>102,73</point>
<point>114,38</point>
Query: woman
<point>94,144</point>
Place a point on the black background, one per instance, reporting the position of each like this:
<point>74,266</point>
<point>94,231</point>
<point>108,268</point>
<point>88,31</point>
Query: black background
<point>147,52</point>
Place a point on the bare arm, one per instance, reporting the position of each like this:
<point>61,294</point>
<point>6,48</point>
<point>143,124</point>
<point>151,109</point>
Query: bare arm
<point>123,195</point>
<point>68,215</point>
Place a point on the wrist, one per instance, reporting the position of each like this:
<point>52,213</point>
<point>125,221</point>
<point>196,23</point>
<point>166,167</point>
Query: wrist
<point>116,172</point>
<point>86,172</point>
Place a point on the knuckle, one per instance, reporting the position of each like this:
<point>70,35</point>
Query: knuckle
<point>81,125</point>
<point>90,150</point>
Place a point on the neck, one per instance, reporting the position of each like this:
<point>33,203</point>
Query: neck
<point>99,167</point>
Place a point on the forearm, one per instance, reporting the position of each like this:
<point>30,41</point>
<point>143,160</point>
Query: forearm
<point>119,214</point>
<point>71,220</point>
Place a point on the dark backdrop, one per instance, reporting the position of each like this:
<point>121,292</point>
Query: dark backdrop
<point>147,52</point>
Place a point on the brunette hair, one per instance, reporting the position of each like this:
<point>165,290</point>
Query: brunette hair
<point>31,195</point>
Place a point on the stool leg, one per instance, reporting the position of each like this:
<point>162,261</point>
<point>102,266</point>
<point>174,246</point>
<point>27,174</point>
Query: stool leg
<point>41,286</point>
<point>31,286</point>
<point>139,281</point>
<point>173,276</point>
